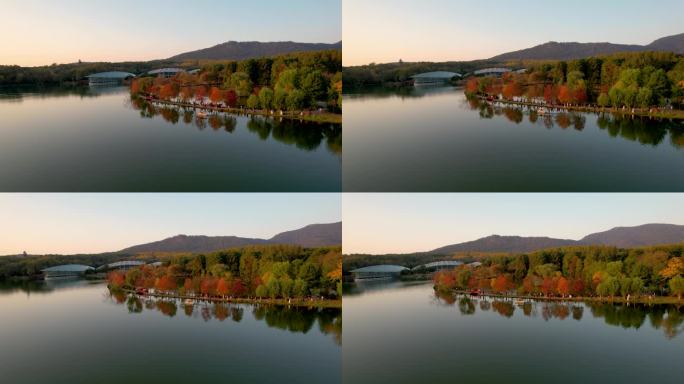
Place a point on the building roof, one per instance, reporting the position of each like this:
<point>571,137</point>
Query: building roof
<point>381,269</point>
<point>111,75</point>
<point>68,268</point>
<point>491,70</point>
<point>165,70</point>
<point>436,75</point>
<point>437,264</point>
<point>125,263</point>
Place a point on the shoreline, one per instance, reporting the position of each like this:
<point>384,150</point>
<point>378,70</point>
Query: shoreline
<point>674,114</point>
<point>326,303</point>
<point>613,300</point>
<point>325,117</point>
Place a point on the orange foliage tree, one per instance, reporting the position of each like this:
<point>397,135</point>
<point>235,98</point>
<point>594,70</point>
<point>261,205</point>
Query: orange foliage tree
<point>116,279</point>
<point>223,287</point>
<point>563,287</point>
<point>564,94</point>
<point>216,95</point>
<point>502,284</point>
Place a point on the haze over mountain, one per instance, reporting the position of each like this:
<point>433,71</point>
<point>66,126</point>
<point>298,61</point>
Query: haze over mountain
<point>243,50</point>
<point>624,237</point>
<point>573,50</point>
<point>315,235</point>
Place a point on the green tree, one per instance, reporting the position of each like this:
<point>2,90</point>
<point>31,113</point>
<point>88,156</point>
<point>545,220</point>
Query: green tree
<point>288,80</point>
<point>645,97</point>
<point>262,291</point>
<point>241,83</point>
<point>253,102</point>
<point>299,288</point>
<point>296,100</point>
<point>315,86</point>
<point>266,98</point>
<point>279,98</point>
<point>677,286</point>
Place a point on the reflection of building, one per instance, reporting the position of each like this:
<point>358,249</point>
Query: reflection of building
<point>378,272</point>
<point>109,78</point>
<point>63,271</point>
<point>439,77</point>
<point>166,72</point>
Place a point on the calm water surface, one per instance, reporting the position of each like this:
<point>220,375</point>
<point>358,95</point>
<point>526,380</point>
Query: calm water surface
<point>76,332</point>
<point>433,139</point>
<point>403,333</point>
<point>99,140</point>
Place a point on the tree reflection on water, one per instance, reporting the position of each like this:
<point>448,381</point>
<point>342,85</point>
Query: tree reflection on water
<point>292,319</point>
<point>306,136</point>
<point>646,131</point>
<point>668,318</point>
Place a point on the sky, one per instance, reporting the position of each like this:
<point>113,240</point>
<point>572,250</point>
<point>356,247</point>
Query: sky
<point>42,32</point>
<point>406,223</point>
<point>384,31</point>
<point>94,223</point>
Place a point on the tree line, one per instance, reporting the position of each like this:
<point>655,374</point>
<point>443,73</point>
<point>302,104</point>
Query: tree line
<point>30,266</point>
<point>57,74</point>
<point>593,271</point>
<point>293,82</point>
<point>277,271</point>
<point>644,79</point>
<point>400,72</point>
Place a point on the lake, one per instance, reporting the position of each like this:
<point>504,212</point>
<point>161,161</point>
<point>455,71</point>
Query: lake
<point>433,139</point>
<point>398,332</point>
<point>77,332</point>
<point>99,140</point>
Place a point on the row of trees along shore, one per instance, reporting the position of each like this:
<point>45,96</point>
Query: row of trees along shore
<point>260,271</point>
<point>643,80</point>
<point>594,271</point>
<point>294,82</point>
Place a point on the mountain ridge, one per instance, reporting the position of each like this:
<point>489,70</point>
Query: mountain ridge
<point>244,50</point>
<point>310,236</point>
<point>553,50</point>
<point>623,237</point>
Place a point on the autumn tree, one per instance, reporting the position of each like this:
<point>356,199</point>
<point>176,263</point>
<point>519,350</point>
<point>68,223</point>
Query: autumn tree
<point>563,287</point>
<point>502,284</point>
<point>675,267</point>
<point>116,279</point>
<point>230,98</point>
<point>216,95</point>
<point>166,283</point>
<point>223,287</point>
